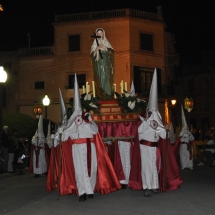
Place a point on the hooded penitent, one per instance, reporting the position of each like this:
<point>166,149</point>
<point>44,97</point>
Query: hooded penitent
<point>39,137</point>
<point>185,134</point>
<point>154,121</point>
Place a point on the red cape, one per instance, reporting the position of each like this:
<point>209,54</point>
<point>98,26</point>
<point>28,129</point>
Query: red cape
<point>172,181</point>
<point>106,181</point>
<point>47,154</point>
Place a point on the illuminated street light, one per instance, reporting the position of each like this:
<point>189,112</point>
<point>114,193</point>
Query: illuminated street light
<point>46,102</point>
<point>188,104</point>
<point>3,79</point>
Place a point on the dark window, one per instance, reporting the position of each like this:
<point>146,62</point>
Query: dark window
<point>74,43</point>
<point>143,79</point>
<point>81,80</point>
<point>39,85</point>
<point>146,42</point>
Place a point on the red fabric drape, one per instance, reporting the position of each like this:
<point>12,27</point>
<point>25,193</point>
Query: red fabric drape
<point>106,178</point>
<point>173,177</point>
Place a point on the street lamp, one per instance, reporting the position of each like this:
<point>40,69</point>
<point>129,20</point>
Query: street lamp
<point>169,105</point>
<point>188,105</point>
<point>46,102</point>
<point>3,79</point>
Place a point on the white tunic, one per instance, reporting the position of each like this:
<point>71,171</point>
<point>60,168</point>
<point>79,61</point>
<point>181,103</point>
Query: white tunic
<point>78,130</point>
<point>42,165</point>
<point>185,159</point>
<point>124,151</point>
<point>149,171</point>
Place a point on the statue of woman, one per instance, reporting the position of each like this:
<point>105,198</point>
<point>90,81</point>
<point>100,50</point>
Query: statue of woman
<point>102,56</point>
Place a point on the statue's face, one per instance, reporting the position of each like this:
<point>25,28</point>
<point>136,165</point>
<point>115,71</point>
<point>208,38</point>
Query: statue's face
<point>101,34</point>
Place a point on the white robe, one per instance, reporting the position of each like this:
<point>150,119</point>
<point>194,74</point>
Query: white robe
<point>186,161</point>
<point>124,151</point>
<point>42,165</point>
<point>85,184</point>
<point>149,170</point>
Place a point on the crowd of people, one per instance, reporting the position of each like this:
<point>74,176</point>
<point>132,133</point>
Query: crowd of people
<point>14,152</point>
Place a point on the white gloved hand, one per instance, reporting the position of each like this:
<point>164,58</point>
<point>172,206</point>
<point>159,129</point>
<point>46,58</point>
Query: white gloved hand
<point>52,136</point>
<point>89,118</point>
<point>60,130</point>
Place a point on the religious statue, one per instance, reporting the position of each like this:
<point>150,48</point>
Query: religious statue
<point>102,56</point>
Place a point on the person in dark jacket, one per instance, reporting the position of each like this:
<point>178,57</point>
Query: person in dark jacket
<point>4,144</point>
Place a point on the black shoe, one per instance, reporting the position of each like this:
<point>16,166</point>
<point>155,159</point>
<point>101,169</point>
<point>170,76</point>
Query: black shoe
<point>83,197</point>
<point>124,186</point>
<point>155,191</point>
<point>146,193</point>
<point>90,196</point>
<point>36,175</point>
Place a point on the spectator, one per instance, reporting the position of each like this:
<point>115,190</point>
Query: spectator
<point>4,143</point>
<point>12,146</point>
<point>209,153</point>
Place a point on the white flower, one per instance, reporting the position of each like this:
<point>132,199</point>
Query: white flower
<point>87,97</point>
<point>127,94</point>
<point>92,105</point>
<point>131,105</point>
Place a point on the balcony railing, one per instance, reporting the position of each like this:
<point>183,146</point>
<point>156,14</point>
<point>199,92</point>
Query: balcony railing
<point>36,51</point>
<point>108,14</point>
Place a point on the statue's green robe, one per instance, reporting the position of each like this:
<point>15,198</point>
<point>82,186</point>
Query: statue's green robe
<point>103,71</point>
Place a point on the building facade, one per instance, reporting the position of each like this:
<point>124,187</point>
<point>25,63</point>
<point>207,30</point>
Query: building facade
<point>140,42</point>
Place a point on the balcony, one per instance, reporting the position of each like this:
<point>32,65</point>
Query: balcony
<point>36,51</point>
<point>108,14</point>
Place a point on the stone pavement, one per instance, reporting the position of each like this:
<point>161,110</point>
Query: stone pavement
<point>26,195</point>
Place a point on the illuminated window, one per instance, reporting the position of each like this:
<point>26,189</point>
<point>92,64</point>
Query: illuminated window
<point>74,43</point>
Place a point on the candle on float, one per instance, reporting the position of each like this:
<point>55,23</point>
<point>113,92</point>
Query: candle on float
<point>114,87</point>
<point>83,87</point>
<point>87,88</point>
<point>122,87</point>
<point>126,86</point>
<point>94,92</point>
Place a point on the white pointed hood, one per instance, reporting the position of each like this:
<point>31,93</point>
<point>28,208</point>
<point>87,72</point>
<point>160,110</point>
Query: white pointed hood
<point>132,90</point>
<point>183,119</point>
<point>48,137</point>
<point>39,137</point>
<point>63,110</point>
<point>153,102</point>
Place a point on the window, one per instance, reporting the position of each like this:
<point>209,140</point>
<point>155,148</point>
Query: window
<point>146,42</point>
<point>74,43</point>
<point>39,85</point>
<point>81,80</point>
<point>143,79</point>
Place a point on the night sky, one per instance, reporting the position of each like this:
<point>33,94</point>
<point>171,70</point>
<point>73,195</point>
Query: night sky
<point>191,22</point>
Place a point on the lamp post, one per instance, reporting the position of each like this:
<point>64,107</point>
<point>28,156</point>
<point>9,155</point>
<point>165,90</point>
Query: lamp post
<point>169,105</point>
<point>3,79</point>
<point>188,105</point>
<point>46,102</point>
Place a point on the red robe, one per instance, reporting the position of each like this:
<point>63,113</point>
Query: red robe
<point>106,181</point>
<point>169,181</point>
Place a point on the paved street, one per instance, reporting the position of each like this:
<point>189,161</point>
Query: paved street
<point>24,194</point>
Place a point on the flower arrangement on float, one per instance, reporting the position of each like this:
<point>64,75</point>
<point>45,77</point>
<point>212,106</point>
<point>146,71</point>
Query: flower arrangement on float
<point>88,103</point>
<point>131,103</point>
